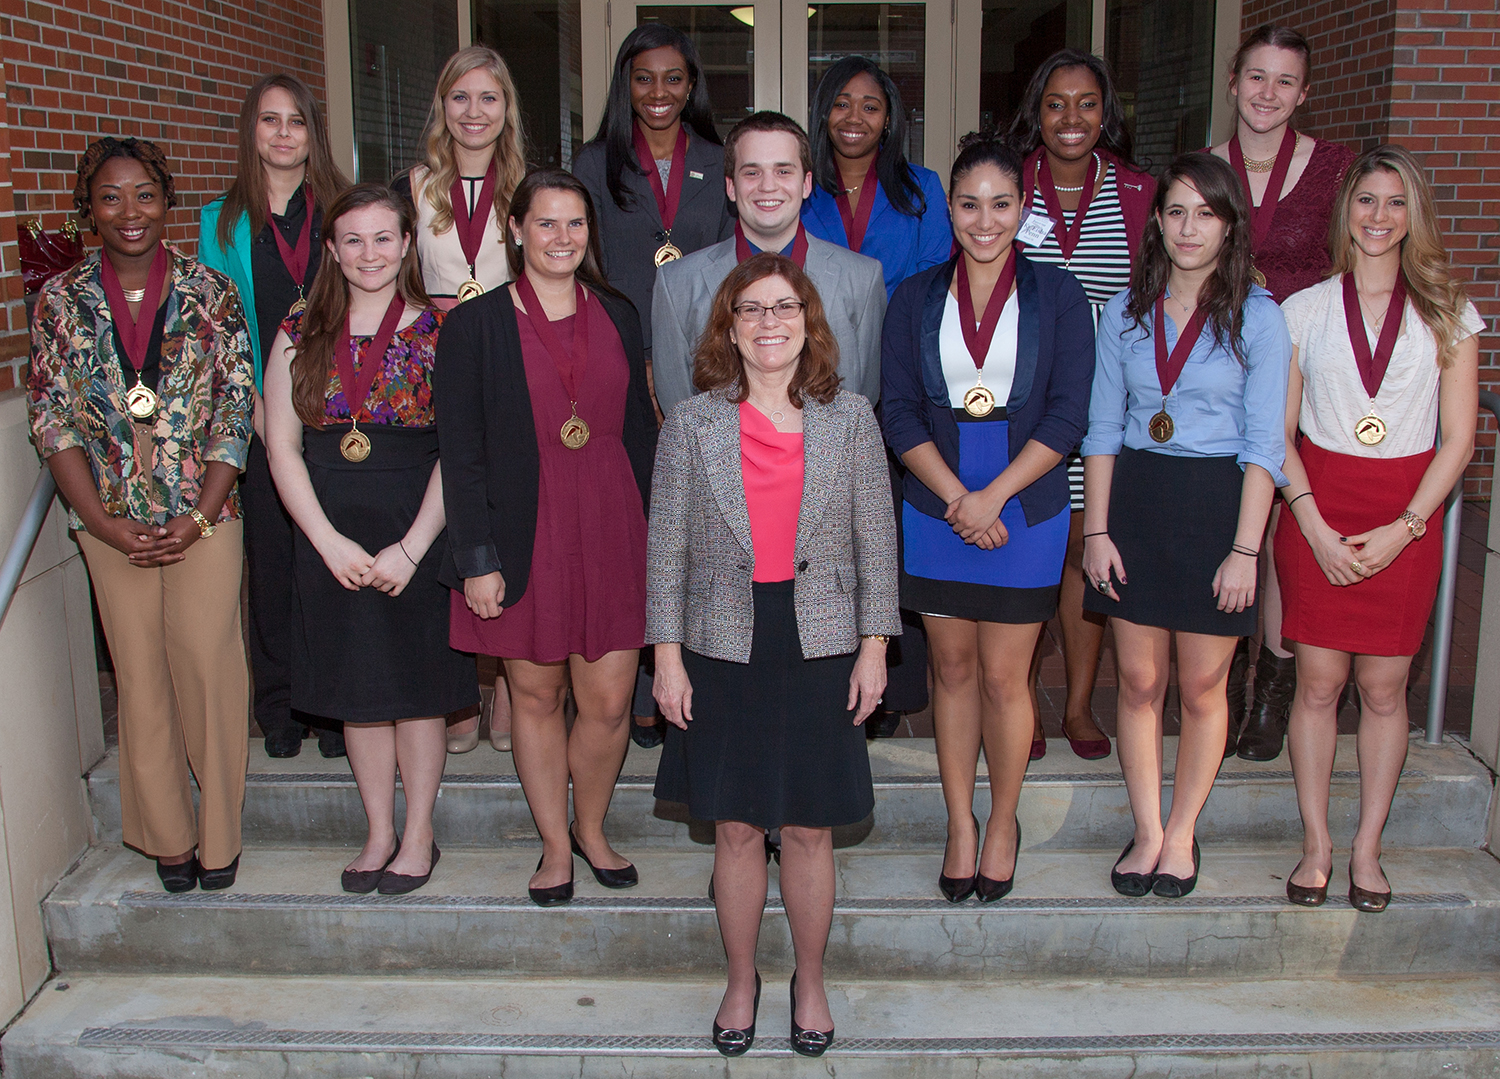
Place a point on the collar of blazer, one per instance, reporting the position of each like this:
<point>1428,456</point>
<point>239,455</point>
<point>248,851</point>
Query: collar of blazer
<point>1027,330</point>
<point>705,172</point>
<point>825,428</point>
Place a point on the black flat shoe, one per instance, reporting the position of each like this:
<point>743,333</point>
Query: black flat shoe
<point>1133,885</point>
<point>284,743</point>
<point>1170,887</point>
<point>809,1043</point>
<point>401,883</point>
<point>732,1042</point>
<point>1364,900</point>
<point>554,896</point>
<point>212,880</point>
<point>1304,896</point>
<point>991,890</point>
<point>648,737</point>
<point>626,877</point>
<point>182,877</point>
<point>365,881</point>
<point>957,889</point>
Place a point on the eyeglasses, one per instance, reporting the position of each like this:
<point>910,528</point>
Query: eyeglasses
<point>786,310</point>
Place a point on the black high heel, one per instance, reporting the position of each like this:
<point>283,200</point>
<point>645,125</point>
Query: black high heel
<point>626,877</point>
<point>555,895</point>
<point>180,877</point>
<point>957,889</point>
<point>732,1042</point>
<point>1170,887</point>
<point>991,890</point>
<point>809,1043</point>
<point>1133,885</point>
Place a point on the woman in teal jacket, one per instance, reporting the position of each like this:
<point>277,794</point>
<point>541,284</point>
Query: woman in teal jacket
<point>264,233</point>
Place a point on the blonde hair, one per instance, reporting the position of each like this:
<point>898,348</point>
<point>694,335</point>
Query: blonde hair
<point>442,166</point>
<point>1430,286</point>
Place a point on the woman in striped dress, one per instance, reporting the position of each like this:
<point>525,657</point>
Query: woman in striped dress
<point>1087,207</point>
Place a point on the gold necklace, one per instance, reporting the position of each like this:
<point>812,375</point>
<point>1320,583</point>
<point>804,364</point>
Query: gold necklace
<point>1267,164</point>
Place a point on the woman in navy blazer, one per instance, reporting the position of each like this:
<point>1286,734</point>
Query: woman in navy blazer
<point>983,419</point>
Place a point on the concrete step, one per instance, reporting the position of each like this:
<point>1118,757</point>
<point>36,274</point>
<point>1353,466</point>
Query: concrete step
<point>592,1025</point>
<point>1066,804</point>
<point>287,915</point>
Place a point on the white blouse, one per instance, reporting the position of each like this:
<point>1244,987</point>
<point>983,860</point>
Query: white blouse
<point>1333,395</point>
<point>999,362</point>
<point>444,267</point>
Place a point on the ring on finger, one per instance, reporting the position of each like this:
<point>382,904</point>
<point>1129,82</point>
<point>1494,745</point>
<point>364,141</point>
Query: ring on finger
<point>1357,568</point>
<point>1102,586</point>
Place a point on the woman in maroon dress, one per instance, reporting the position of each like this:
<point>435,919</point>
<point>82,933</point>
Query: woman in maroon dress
<point>551,435</point>
<point>1292,180</point>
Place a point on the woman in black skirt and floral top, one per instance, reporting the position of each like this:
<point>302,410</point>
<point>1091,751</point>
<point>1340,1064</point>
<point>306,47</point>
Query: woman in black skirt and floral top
<point>353,449</point>
<point>771,592</point>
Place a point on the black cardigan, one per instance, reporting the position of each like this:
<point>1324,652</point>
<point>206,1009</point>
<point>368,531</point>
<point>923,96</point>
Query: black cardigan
<point>487,436</point>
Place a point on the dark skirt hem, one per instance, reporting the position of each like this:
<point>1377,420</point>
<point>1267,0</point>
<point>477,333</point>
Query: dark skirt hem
<point>979,602</point>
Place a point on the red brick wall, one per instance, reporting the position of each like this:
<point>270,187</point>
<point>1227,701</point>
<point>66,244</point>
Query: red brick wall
<point>12,308</point>
<point>175,73</point>
<point>1422,75</point>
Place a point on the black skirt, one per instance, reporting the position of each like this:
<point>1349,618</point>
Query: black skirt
<point>367,657</point>
<point>770,742</point>
<point>1173,520</point>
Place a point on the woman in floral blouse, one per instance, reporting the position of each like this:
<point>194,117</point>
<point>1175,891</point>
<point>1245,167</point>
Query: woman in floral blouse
<point>140,400</point>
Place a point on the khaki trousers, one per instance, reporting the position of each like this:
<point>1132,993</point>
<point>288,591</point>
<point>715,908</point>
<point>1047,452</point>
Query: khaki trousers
<point>184,693</point>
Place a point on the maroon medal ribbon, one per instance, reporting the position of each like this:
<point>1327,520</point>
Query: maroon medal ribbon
<point>857,218</point>
<point>1372,366</point>
<point>978,339</point>
<point>569,373</point>
<point>470,228</point>
<point>742,249</point>
<point>1067,238</point>
<point>135,333</point>
<point>1168,367</point>
<point>356,387</point>
<point>668,198</point>
<point>1261,216</point>
<point>296,260</point>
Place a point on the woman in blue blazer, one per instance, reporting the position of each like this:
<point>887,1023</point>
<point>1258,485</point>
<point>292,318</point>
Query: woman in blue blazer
<point>284,177</point>
<point>987,365</point>
<point>866,195</point>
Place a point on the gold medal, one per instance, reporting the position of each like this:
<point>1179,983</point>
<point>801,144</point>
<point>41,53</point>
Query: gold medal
<point>1161,427</point>
<point>355,446</point>
<point>141,402</point>
<point>667,252</point>
<point>298,307</point>
<point>574,433</point>
<point>1258,277</point>
<point>979,401</point>
<point>469,289</point>
<point>1370,430</point>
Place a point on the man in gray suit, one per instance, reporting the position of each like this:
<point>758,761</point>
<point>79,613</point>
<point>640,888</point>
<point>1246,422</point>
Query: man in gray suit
<point>768,174</point>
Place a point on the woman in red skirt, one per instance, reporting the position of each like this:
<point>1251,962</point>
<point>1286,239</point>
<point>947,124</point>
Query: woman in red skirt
<point>1385,357</point>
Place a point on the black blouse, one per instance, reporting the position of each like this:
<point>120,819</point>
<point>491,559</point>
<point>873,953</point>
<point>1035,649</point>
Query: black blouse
<point>275,291</point>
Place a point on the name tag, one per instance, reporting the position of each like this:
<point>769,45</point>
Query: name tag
<point>695,175</point>
<point>1034,229</point>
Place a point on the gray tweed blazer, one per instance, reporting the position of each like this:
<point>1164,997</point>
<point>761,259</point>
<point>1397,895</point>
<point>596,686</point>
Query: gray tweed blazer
<point>700,558</point>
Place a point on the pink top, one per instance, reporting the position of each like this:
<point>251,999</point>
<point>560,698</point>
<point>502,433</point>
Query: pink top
<point>772,465</point>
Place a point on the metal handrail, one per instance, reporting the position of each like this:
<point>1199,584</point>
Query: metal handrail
<point>24,540</point>
<point>1442,630</point>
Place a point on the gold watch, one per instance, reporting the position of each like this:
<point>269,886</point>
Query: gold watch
<point>1414,524</point>
<point>206,527</point>
<point>881,637</point>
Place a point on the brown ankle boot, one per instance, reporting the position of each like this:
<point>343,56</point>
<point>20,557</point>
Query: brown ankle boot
<point>1265,727</point>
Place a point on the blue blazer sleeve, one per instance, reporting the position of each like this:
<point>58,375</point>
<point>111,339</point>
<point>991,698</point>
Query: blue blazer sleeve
<point>901,391</point>
<point>1072,376</point>
<point>935,231</point>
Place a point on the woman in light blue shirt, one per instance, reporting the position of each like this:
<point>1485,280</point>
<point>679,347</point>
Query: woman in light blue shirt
<point>1182,457</point>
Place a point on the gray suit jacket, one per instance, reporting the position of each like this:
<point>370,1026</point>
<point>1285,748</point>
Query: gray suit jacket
<point>700,557</point>
<point>852,288</point>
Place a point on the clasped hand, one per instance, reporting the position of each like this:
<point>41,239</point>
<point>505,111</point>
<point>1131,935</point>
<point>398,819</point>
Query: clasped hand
<point>389,571</point>
<point>151,545</point>
<point>975,516</point>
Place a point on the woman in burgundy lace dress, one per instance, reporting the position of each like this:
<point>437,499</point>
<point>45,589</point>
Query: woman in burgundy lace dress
<point>1292,180</point>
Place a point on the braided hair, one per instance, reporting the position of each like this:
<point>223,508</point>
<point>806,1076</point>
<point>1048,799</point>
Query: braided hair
<point>102,150</point>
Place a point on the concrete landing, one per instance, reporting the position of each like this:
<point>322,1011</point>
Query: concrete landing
<point>1066,804</point>
<point>253,1027</point>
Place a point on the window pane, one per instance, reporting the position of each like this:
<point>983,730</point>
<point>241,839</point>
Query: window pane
<point>893,35</point>
<point>398,47</point>
<point>542,44</point>
<point>1015,39</point>
<point>1162,55</point>
<point>725,37</point>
